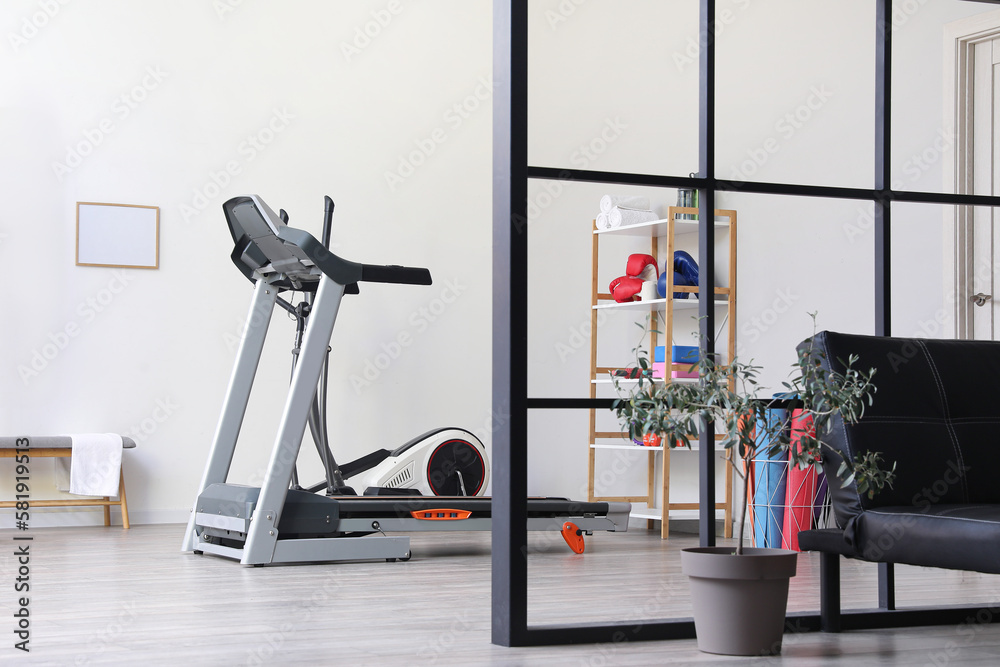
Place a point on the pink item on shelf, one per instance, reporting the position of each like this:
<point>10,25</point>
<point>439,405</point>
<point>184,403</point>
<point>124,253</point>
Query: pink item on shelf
<point>684,374</point>
<point>659,369</point>
<point>801,487</point>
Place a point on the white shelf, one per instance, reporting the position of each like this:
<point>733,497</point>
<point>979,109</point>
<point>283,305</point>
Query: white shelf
<point>628,446</point>
<point>679,304</point>
<point>642,448</point>
<point>656,513</point>
<point>658,228</point>
<point>635,380</point>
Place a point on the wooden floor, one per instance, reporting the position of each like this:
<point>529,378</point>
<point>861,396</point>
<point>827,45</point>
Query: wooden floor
<point>104,596</point>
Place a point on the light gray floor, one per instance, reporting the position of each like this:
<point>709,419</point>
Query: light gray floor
<point>106,596</point>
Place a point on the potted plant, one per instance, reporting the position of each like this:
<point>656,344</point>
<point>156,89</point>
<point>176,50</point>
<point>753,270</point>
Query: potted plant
<point>739,594</point>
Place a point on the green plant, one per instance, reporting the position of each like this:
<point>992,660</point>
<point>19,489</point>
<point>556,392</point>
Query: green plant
<point>726,396</point>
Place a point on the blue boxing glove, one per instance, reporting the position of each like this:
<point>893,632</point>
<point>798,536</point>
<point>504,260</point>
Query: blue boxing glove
<point>686,266</point>
<point>679,279</point>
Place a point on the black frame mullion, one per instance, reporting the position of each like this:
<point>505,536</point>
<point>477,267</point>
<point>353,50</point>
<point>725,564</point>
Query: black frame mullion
<point>510,390</point>
<point>510,323</point>
<point>883,167</point>
<point>706,255</point>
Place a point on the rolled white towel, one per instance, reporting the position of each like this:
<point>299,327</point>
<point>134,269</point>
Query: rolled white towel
<point>603,220</point>
<point>621,217</point>
<point>608,202</point>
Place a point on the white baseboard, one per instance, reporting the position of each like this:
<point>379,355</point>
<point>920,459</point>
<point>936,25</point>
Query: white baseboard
<point>54,517</point>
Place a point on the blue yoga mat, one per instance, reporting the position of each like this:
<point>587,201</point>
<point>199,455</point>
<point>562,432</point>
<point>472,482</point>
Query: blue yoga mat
<point>770,474</point>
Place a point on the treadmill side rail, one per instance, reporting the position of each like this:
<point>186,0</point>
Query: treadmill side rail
<point>263,533</point>
<point>321,550</point>
<point>618,516</point>
<point>227,431</point>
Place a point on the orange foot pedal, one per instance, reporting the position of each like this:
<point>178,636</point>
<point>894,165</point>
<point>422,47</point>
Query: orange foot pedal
<point>573,536</point>
<point>441,515</point>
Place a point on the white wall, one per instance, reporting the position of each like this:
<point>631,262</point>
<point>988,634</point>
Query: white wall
<point>340,109</point>
<point>613,87</point>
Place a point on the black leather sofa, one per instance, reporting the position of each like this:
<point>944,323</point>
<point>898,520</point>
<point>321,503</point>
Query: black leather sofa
<point>936,414</point>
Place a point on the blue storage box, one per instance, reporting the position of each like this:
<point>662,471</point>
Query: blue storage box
<point>658,353</point>
<point>684,354</point>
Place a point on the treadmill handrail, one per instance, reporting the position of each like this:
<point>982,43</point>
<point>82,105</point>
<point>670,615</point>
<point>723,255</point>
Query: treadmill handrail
<point>345,272</point>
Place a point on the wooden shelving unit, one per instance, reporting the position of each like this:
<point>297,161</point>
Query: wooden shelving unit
<point>724,297</point>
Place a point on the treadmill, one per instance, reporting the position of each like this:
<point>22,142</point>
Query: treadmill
<point>275,524</point>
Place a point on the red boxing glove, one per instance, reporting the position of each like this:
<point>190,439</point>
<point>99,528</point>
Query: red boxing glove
<point>642,266</point>
<point>625,289</point>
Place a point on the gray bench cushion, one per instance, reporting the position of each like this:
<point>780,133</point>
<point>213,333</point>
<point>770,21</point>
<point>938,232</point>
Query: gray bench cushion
<point>51,441</point>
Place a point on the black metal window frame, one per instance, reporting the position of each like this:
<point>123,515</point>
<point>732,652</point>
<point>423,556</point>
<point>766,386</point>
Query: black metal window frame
<point>511,173</point>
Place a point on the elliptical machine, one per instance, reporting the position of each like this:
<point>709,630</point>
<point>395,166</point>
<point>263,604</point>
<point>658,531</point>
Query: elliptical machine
<point>447,461</point>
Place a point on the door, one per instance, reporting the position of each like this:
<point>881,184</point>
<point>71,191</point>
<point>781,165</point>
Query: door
<point>978,295</point>
<point>973,69</point>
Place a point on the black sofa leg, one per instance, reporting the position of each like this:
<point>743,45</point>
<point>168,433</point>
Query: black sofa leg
<point>886,586</point>
<point>829,592</point>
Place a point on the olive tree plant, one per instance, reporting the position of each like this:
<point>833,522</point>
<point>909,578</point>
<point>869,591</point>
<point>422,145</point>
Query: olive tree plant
<point>725,398</point>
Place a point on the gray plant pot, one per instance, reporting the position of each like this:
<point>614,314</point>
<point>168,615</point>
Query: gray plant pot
<point>739,601</point>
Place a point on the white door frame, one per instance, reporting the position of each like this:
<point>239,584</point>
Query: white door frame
<point>960,39</point>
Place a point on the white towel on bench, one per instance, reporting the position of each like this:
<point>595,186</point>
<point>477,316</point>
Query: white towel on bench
<point>96,464</point>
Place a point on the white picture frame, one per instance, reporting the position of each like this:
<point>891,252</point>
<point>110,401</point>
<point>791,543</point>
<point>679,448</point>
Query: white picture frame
<point>117,235</point>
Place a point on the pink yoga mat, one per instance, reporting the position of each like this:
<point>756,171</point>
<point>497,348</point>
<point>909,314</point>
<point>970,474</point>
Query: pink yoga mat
<point>800,490</point>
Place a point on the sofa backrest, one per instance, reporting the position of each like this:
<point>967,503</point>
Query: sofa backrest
<point>936,415</point>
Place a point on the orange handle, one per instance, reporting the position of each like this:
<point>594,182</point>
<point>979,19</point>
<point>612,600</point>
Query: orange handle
<point>573,536</point>
<point>441,515</point>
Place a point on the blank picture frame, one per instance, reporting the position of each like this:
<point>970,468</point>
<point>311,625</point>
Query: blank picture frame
<point>118,235</point>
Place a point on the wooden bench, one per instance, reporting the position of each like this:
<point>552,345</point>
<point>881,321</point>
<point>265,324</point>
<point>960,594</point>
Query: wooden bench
<point>61,446</point>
